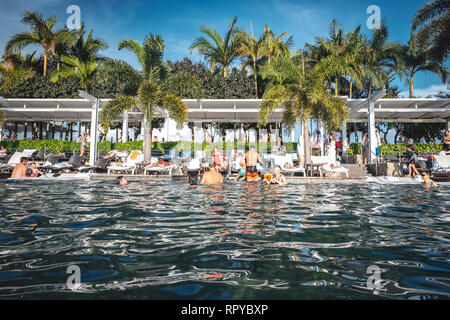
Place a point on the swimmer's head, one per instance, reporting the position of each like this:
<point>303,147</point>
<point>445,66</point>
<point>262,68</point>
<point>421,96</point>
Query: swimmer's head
<point>122,181</point>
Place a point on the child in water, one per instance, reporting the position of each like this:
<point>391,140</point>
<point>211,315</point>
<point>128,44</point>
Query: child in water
<point>241,173</point>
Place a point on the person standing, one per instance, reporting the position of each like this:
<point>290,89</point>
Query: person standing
<point>83,146</point>
<point>365,148</point>
<point>316,143</point>
<point>331,149</point>
<point>252,158</point>
<point>446,142</point>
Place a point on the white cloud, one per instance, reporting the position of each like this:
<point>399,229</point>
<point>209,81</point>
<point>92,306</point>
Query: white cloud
<point>425,92</point>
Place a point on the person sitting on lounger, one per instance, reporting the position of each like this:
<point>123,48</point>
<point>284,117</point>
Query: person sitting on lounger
<point>161,163</point>
<point>212,176</point>
<point>3,150</point>
<point>289,166</point>
<point>20,170</point>
<point>241,172</point>
<point>116,154</point>
<point>427,182</point>
<point>35,172</point>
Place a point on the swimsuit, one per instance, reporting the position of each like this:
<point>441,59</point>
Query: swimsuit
<point>242,172</point>
<point>83,146</point>
<point>252,173</point>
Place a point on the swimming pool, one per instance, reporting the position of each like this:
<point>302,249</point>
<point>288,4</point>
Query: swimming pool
<point>170,240</point>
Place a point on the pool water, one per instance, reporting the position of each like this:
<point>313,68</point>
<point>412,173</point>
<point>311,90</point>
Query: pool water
<point>171,240</point>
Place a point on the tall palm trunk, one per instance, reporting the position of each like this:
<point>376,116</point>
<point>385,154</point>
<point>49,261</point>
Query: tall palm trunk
<point>148,141</point>
<point>411,86</point>
<point>256,79</point>
<point>336,89</point>
<point>45,63</point>
<point>306,143</point>
<point>351,87</point>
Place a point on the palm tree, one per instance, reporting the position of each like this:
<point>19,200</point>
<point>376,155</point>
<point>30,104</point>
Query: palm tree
<point>415,57</point>
<point>301,95</point>
<point>74,68</point>
<point>433,19</point>
<point>218,50</point>
<point>85,49</point>
<point>252,49</point>
<point>41,33</point>
<point>274,46</point>
<point>149,55</point>
<point>150,96</point>
<point>343,49</point>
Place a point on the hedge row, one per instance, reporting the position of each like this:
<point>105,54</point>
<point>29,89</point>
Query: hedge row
<point>57,146</point>
<point>355,148</point>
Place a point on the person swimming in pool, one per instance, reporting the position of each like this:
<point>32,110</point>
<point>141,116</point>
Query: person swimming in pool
<point>212,176</point>
<point>121,180</point>
<point>278,177</point>
<point>35,172</point>
<point>427,182</point>
<point>252,158</point>
<point>20,170</point>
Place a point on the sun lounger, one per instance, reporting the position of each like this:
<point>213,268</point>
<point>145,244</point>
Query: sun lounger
<point>15,159</point>
<point>325,166</point>
<point>441,164</point>
<point>166,169</point>
<point>101,165</point>
<point>129,165</point>
<point>282,160</point>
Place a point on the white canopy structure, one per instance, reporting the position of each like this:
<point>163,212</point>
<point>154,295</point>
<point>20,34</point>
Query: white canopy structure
<point>230,110</point>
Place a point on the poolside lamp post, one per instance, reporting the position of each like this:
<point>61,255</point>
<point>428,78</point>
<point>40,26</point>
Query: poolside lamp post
<point>94,125</point>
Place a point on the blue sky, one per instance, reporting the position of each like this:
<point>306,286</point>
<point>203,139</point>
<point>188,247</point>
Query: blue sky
<point>178,22</point>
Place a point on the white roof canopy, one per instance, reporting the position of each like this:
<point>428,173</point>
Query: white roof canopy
<point>227,110</point>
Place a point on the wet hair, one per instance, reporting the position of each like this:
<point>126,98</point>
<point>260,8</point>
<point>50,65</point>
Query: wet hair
<point>212,164</point>
<point>252,147</point>
<point>119,178</point>
<point>22,159</point>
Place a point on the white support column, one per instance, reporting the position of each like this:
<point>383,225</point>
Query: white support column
<point>371,131</point>
<point>321,127</point>
<point>94,133</point>
<point>447,124</point>
<point>1,131</point>
<point>143,126</point>
<point>344,139</point>
<point>125,127</point>
<point>293,133</point>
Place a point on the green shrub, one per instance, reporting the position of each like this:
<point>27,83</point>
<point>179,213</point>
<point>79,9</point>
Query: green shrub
<point>57,146</point>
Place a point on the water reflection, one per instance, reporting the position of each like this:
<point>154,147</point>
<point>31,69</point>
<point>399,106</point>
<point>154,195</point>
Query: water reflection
<point>173,240</point>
